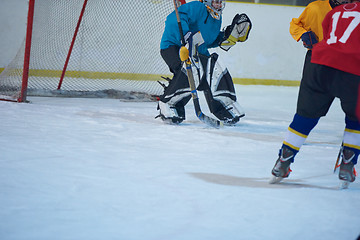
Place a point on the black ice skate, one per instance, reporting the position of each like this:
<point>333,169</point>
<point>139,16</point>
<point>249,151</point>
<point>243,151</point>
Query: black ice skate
<point>171,114</point>
<point>347,173</point>
<point>231,114</point>
<point>282,169</point>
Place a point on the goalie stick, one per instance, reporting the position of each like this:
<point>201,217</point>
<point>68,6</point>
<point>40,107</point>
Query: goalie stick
<point>204,118</point>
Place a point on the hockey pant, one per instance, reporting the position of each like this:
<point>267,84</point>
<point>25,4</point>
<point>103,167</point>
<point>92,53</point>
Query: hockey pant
<point>212,79</point>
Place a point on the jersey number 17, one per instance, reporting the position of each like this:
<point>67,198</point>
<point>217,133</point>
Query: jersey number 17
<point>350,28</point>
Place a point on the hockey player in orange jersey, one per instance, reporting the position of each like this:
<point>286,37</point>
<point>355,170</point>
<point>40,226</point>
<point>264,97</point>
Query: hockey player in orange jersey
<point>333,72</point>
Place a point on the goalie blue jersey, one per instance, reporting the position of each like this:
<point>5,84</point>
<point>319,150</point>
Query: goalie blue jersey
<point>194,17</point>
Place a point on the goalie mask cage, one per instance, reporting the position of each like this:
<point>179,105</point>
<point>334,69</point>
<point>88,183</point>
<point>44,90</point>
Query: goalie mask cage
<point>98,48</point>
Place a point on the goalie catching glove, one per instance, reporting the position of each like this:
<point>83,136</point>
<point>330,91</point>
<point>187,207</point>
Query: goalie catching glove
<point>238,31</point>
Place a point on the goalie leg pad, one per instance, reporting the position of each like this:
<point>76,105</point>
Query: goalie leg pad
<point>176,95</point>
<point>170,113</point>
<point>230,114</point>
<point>220,93</point>
<point>178,90</point>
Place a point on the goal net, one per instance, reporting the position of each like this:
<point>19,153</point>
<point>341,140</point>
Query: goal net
<point>101,48</point>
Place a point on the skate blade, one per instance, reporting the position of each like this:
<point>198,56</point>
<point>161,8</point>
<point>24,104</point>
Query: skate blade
<point>344,184</point>
<point>274,180</point>
<point>170,121</point>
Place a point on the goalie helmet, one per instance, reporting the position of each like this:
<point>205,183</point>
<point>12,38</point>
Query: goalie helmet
<point>215,7</point>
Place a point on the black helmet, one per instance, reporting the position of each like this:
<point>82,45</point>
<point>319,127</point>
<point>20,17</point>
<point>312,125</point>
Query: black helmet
<point>335,3</point>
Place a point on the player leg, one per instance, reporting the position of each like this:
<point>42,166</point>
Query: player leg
<point>314,102</point>
<point>219,91</point>
<point>349,152</point>
<point>295,137</point>
<point>177,94</point>
<point>347,89</point>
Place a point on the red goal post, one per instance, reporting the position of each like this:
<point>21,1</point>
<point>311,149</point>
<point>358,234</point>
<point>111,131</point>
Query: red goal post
<point>97,48</point>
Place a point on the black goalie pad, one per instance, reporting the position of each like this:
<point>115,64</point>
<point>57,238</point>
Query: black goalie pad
<point>214,81</point>
<point>178,90</point>
<point>217,86</point>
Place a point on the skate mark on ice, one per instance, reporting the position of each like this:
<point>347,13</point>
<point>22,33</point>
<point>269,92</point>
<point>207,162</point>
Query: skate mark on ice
<point>254,182</point>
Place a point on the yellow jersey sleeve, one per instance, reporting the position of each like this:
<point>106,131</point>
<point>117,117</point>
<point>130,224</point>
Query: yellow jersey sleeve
<point>310,20</point>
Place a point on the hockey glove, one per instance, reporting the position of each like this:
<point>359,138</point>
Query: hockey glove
<point>193,41</point>
<point>309,39</point>
<point>238,31</point>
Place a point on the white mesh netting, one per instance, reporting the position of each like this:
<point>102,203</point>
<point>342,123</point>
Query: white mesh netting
<point>116,49</point>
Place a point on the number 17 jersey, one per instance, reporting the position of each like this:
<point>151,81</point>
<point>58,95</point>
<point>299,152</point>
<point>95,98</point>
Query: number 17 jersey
<point>340,47</point>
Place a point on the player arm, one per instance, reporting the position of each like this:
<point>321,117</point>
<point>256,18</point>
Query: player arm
<point>296,31</point>
<point>218,40</point>
<point>298,25</point>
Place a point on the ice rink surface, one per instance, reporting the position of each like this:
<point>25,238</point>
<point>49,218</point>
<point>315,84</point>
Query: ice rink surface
<point>74,168</point>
